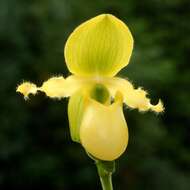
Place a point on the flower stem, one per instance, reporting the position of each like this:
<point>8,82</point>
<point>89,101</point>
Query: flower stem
<point>106,182</point>
<point>105,174</point>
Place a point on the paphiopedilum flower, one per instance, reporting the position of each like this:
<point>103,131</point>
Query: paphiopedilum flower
<point>94,53</point>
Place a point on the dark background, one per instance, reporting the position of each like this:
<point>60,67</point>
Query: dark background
<point>35,146</point>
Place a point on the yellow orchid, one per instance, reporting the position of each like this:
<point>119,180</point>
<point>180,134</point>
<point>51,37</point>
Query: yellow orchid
<point>94,53</point>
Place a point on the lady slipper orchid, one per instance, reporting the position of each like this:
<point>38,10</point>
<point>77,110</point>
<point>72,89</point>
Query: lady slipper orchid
<point>94,53</point>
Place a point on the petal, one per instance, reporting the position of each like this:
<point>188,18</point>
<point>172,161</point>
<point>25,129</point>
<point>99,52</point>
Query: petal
<point>55,87</point>
<point>75,113</point>
<point>103,131</point>
<point>100,46</point>
<point>77,103</point>
<point>27,88</point>
<point>134,98</point>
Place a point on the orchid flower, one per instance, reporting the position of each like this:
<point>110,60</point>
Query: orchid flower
<point>94,53</point>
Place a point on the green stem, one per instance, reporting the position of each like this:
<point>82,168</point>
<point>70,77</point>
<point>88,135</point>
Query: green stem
<point>106,182</point>
<point>105,177</point>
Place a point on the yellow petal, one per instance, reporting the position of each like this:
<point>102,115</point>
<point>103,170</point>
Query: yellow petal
<point>77,104</point>
<point>27,88</point>
<point>134,98</point>
<point>75,113</point>
<point>55,87</point>
<point>100,46</point>
<point>103,131</point>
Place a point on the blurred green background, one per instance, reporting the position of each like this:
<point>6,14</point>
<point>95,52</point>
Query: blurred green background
<point>35,146</point>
